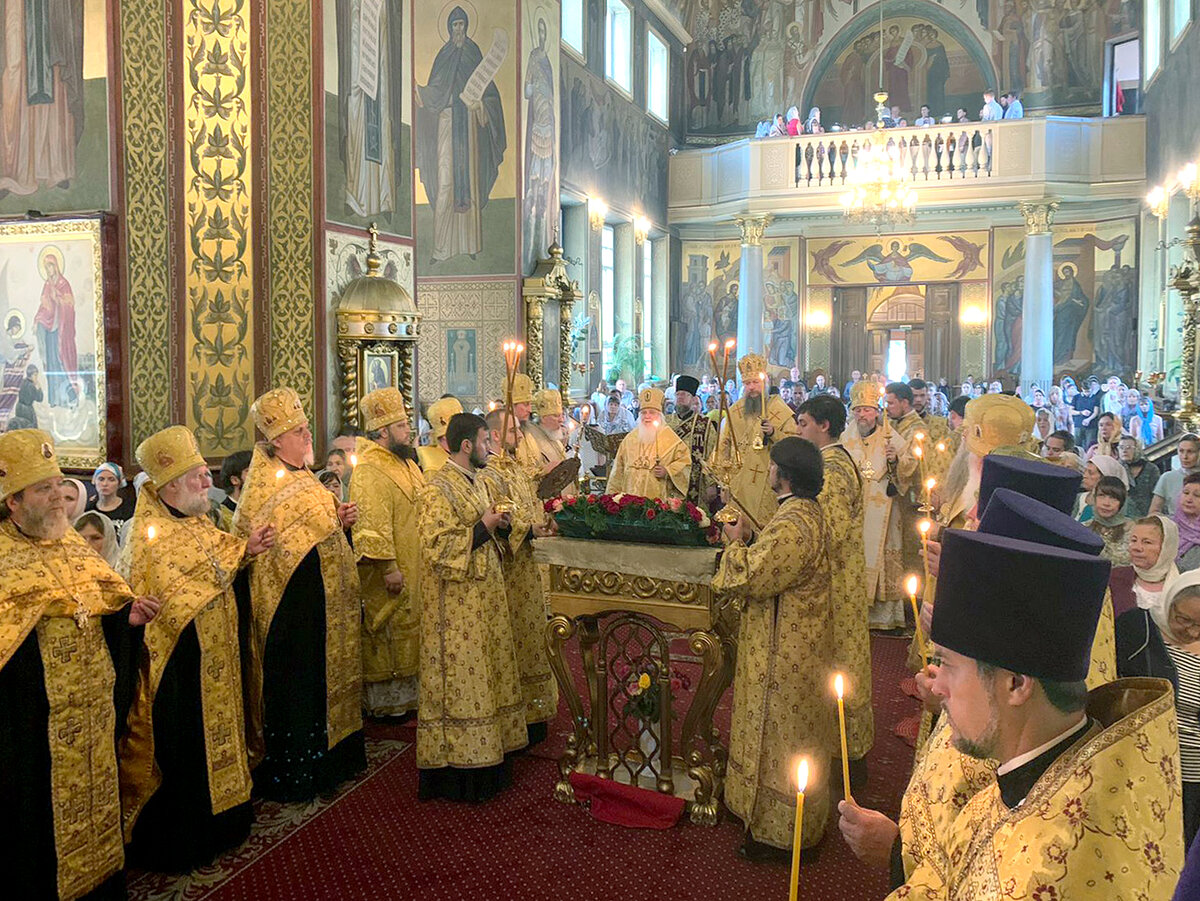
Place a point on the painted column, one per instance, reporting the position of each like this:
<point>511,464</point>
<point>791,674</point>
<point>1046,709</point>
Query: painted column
<point>750,337</point>
<point>1037,316</point>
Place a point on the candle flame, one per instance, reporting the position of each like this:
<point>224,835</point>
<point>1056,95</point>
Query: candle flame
<point>941,447</point>
<point>520,349</point>
<point>151,533</point>
<point>918,452</point>
<point>354,459</point>
<point>924,526</point>
<point>802,776</point>
<point>929,483</point>
<point>729,344</point>
<point>838,685</point>
<point>910,585</point>
<point>279,473</point>
<point>920,436</point>
<point>712,347</point>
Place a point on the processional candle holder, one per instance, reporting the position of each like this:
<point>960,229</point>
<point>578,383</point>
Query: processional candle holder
<point>725,461</point>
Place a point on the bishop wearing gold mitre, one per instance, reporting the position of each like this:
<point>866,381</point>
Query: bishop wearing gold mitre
<point>755,425</point>
<point>433,456</point>
<point>67,666</point>
<point>781,699</point>
<point>302,663</point>
<point>385,485</point>
<point>697,433</point>
<point>1086,800</point>
<point>185,778</point>
<point>471,713</point>
<point>652,461</point>
<point>541,448</point>
<point>509,486</point>
<point>821,420</point>
<point>865,438</point>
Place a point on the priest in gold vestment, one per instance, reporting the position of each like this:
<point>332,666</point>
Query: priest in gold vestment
<point>751,423</point>
<point>509,485</point>
<point>385,486</point>
<point>433,456</point>
<point>471,713</point>
<point>67,666</point>
<point>302,660</point>
<point>821,420</point>
<point>185,777</point>
<point>541,448</point>
<point>652,461</point>
<point>782,707</point>
<point>698,435</point>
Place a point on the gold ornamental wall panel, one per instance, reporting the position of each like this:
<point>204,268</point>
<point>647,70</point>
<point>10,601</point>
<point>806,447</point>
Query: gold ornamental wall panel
<point>218,348</point>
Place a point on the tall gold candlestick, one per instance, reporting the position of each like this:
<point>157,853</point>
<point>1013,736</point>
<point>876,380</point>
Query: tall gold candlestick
<point>923,527</point>
<point>801,784</point>
<point>838,686</point>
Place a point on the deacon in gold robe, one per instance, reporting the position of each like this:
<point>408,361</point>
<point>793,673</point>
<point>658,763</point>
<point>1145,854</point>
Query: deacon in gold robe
<point>782,708</point>
<point>67,667</point>
<point>866,441</point>
<point>302,659</point>
<point>508,486</point>
<point>748,424</point>
<point>385,487</point>
<point>541,449</point>
<point>185,777</point>
<point>698,435</point>
<point>471,713</point>
<point>906,467</point>
<point>936,431</point>
<point>433,456</point>
<point>651,461</point>
<point>821,420</point>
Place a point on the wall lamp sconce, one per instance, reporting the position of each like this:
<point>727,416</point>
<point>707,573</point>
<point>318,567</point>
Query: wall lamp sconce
<point>818,319</point>
<point>597,213</point>
<point>641,230</point>
<point>973,316</point>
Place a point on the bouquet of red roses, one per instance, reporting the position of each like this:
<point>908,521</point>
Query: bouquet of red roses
<point>627,517</point>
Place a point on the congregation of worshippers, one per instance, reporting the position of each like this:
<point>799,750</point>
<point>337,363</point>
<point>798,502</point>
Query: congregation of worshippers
<point>234,630</point>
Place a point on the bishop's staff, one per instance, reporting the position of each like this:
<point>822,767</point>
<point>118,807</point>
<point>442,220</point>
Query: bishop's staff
<point>723,466</point>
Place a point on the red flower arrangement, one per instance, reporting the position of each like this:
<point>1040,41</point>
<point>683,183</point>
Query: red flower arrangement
<point>628,517</point>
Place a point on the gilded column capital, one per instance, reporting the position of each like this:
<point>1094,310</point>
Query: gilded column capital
<point>1038,215</point>
<point>752,227</point>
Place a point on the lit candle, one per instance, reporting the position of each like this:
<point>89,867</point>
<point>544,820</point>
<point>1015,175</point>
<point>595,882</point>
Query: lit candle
<point>354,459</point>
<point>838,686</point>
<point>801,784</point>
<point>941,447</point>
<point>279,473</point>
<point>910,586</point>
<point>929,483</point>
<point>151,533</point>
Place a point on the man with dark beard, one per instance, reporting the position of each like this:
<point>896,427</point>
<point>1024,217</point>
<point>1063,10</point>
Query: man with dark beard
<point>185,779</point>
<point>66,675</point>
<point>302,662</point>
<point>385,485</point>
<point>698,433</point>
<point>471,713</point>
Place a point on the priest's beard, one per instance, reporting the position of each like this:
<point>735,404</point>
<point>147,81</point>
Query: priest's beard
<point>478,456</point>
<point>752,405</point>
<point>51,525</point>
<point>963,475</point>
<point>192,503</point>
<point>647,434</point>
<point>865,429</point>
<point>401,450</point>
<point>984,747</point>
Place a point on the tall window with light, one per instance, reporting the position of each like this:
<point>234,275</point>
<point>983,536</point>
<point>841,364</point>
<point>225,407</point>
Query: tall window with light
<point>618,44</point>
<point>572,24</point>
<point>608,292</point>
<point>1152,32</point>
<point>1181,14</point>
<point>647,306</point>
<point>658,73</point>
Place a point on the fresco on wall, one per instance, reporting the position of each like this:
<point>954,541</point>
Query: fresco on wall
<point>368,114</point>
<point>709,301</point>
<point>539,212</point>
<point>896,259</point>
<point>1095,298</point>
<point>465,70</point>
<point>463,325</point>
<point>54,153</point>
<point>613,148</point>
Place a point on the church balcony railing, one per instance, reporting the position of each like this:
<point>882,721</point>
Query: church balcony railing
<point>976,164</point>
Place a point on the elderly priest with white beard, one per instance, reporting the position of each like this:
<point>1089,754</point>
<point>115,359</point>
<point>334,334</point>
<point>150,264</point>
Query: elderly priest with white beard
<point>67,664</point>
<point>652,461</point>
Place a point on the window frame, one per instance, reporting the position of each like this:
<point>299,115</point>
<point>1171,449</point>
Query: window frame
<point>1173,36</point>
<point>608,293</point>
<point>1150,71</point>
<point>665,116</point>
<point>647,323</point>
<point>580,51</point>
<point>610,74</point>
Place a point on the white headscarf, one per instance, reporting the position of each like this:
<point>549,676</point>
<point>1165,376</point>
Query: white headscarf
<point>1161,615</point>
<point>76,511</point>
<point>793,113</point>
<point>1112,467</point>
<point>1163,569</point>
<point>111,551</point>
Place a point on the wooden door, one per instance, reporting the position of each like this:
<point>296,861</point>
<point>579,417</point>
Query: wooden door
<point>942,337</point>
<point>848,349</point>
<point>915,348</point>
<point>879,349</point>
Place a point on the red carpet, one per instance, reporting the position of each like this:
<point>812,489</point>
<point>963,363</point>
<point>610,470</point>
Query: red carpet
<point>375,840</point>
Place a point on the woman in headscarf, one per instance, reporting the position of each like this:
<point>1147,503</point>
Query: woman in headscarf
<point>778,127</point>
<point>812,125</point>
<point>1097,468</point>
<point>110,497</point>
<point>1187,519</point>
<point>1146,425</point>
<point>1061,410</point>
<point>1137,590</point>
<point>1109,520</point>
<point>1178,619</point>
<point>98,530</point>
<point>794,125</point>
<point>74,498</point>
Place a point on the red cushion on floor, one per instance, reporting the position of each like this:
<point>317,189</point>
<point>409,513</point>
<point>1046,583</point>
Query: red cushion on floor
<point>626,805</point>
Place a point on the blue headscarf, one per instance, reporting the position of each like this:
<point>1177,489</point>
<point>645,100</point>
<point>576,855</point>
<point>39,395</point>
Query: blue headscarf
<point>1147,423</point>
<point>114,469</point>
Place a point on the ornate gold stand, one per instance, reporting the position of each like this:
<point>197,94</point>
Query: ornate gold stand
<point>620,600</point>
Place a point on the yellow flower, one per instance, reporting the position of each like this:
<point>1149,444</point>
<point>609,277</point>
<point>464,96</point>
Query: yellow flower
<point>644,681</point>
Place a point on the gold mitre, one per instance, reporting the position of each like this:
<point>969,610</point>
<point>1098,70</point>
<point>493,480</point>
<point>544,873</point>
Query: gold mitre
<point>278,411</point>
<point>26,458</point>
<point>382,407</point>
<point>996,420</point>
<point>168,454</point>
<point>522,389</point>
<point>440,412</point>
<point>548,403</point>
<point>650,399</point>
<point>864,394</point>
<point>751,366</point>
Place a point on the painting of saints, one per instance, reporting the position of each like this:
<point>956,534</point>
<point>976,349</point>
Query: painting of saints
<point>55,321</point>
<point>460,362</point>
<point>1070,309</point>
<point>897,68</point>
<point>41,93</point>
<point>725,314</point>
<point>783,327</point>
<point>459,148</point>
<point>541,147</point>
<point>370,91</point>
